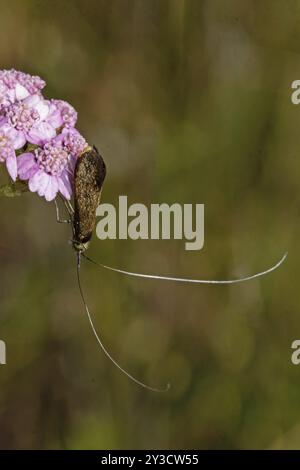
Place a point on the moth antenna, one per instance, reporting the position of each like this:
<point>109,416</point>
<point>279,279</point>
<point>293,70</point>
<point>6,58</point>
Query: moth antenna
<point>195,281</point>
<point>78,264</point>
<point>100,341</point>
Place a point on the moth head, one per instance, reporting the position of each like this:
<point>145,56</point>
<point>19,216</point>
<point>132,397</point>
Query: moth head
<point>80,246</point>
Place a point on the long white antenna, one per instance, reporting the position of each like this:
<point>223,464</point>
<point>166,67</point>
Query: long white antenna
<point>195,281</point>
<point>102,345</point>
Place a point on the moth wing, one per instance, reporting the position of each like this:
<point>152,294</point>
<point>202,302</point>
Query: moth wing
<point>89,175</point>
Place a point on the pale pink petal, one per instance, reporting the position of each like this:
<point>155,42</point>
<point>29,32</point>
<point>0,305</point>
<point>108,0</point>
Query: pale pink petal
<point>33,100</point>
<point>41,133</point>
<point>51,189</point>
<point>18,139</point>
<point>72,164</point>
<point>20,92</point>
<point>42,108</point>
<point>29,173</point>
<point>43,184</point>
<point>11,165</point>
<point>25,160</point>
<point>27,166</point>
<point>34,181</point>
<point>15,136</point>
<point>54,118</point>
<point>64,186</point>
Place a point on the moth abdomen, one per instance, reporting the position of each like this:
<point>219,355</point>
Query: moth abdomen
<point>89,176</point>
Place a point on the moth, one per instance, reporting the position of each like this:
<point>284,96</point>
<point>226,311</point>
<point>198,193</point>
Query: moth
<point>89,176</point>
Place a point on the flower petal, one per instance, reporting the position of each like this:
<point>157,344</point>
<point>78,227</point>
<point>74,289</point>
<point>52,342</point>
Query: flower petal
<point>20,92</point>
<point>11,165</point>
<point>43,184</point>
<point>54,117</point>
<point>18,138</point>
<point>64,186</point>
<point>27,166</point>
<point>51,189</point>
<point>35,180</point>
<point>29,173</point>
<point>42,108</point>
<point>33,100</point>
<point>41,133</point>
<point>25,160</point>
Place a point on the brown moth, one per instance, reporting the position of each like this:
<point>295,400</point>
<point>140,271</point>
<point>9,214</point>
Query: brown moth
<point>89,175</point>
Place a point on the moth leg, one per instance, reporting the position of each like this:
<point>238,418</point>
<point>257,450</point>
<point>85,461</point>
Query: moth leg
<point>58,219</point>
<point>69,207</point>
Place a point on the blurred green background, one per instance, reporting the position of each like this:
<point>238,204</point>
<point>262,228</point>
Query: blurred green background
<point>189,102</point>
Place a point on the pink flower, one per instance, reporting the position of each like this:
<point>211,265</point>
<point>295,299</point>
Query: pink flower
<point>8,155</point>
<point>26,120</point>
<point>72,141</point>
<point>47,170</point>
<point>15,86</point>
<point>67,114</point>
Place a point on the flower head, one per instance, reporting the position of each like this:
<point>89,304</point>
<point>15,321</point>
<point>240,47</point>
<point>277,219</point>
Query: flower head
<point>21,116</point>
<point>72,141</point>
<point>16,86</point>
<point>38,139</point>
<point>27,121</point>
<point>52,158</point>
<point>68,115</point>
<point>47,170</point>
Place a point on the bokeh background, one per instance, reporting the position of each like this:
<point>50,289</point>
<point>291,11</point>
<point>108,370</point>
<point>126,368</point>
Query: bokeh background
<point>189,102</point>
